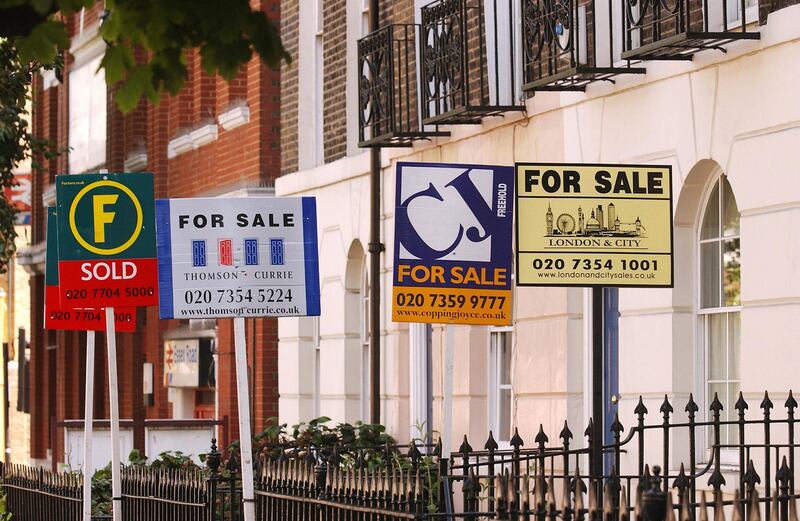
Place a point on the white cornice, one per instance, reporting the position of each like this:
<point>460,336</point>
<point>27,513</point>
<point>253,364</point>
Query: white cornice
<point>136,162</point>
<point>234,117</point>
<point>204,135</point>
<point>87,46</point>
<point>179,145</point>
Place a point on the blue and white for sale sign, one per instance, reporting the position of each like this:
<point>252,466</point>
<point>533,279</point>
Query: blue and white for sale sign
<point>237,257</point>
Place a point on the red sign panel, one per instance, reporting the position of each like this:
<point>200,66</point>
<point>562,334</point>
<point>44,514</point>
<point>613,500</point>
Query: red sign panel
<point>56,313</point>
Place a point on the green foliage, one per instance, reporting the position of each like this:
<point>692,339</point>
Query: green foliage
<point>226,32</point>
<point>5,515</point>
<point>16,142</point>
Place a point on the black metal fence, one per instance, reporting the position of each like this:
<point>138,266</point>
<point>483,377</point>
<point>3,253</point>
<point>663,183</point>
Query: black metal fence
<point>702,459</point>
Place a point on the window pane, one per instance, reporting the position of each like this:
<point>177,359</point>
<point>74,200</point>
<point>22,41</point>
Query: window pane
<point>717,347</point>
<point>733,414</point>
<point>505,358</point>
<point>732,273</point>
<point>722,390</point>
<point>710,227</point>
<point>733,346</point>
<point>730,212</point>
<point>710,275</point>
<point>504,415</point>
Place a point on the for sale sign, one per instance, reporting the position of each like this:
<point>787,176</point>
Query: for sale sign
<point>452,251</point>
<point>106,240</point>
<point>594,225</point>
<point>237,257</point>
<point>56,315</point>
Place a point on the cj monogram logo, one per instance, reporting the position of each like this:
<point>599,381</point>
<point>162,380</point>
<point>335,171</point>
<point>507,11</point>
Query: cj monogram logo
<point>447,215</point>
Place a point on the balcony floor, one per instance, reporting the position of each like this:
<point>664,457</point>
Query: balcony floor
<point>577,78</point>
<point>470,114</point>
<point>683,46</point>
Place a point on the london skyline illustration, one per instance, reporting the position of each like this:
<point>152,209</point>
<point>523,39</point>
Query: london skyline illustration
<point>600,223</point>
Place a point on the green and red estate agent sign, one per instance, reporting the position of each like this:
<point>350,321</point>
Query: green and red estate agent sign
<point>106,240</point>
<point>57,316</point>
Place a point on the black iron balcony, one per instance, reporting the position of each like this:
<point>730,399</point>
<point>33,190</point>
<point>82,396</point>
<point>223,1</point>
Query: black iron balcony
<point>388,104</point>
<point>677,29</point>
<point>467,71</point>
<point>568,44</point>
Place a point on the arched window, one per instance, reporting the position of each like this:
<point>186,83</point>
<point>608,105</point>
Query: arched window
<point>364,335</point>
<point>719,303</point>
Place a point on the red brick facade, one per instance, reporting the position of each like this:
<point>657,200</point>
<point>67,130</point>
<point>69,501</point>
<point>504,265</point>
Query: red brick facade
<point>334,91</point>
<point>247,156</point>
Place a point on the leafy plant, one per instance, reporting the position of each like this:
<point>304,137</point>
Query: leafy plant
<point>148,40</point>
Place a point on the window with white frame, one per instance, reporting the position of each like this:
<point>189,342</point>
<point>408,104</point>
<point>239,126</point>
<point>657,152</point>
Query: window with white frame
<point>315,342</point>
<point>365,333</point>
<point>365,14</point>
<point>501,393</point>
<point>733,9</point>
<point>720,305</point>
<point>87,110</point>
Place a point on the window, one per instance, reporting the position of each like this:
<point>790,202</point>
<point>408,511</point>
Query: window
<point>315,342</point>
<point>720,289</point>
<point>87,111</point>
<point>365,334</point>
<point>365,17</point>
<point>733,9</point>
<point>500,393</point>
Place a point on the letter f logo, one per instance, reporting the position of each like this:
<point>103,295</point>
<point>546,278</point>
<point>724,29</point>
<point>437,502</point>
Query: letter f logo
<point>101,216</point>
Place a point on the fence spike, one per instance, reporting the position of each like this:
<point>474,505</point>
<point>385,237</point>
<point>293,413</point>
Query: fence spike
<point>624,515</point>
<point>608,503</point>
<point>637,509</point>
<point>791,403</point>
<point>766,403</point>
<point>755,507</point>
<point>686,513</point>
<point>737,506</point>
<point>592,499</point>
<point>751,477</point>
<point>641,409</point>
<point>491,444</point>
<point>670,504</point>
<point>741,404</point>
<point>565,434</point>
<point>465,447</point>
<point>539,489</point>
<point>719,514</point>
<point>774,514</point>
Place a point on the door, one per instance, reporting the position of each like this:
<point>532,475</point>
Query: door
<point>610,368</point>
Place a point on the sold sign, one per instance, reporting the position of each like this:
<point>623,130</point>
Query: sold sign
<point>106,243</point>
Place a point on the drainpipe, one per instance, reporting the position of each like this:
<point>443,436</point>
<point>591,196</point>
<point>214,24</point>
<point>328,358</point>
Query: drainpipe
<point>375,248</point>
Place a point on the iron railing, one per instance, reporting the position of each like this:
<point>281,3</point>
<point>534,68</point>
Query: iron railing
<point>37,494</point>
<point>677,29</point>
<point>702,459</point>
<point>388,109</point>
<point>696,453</point>
<point>568,44</point>
<point>467,71</point>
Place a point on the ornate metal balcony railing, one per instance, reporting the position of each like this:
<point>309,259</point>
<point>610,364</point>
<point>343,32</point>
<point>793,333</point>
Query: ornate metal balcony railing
<point>568,44</point>
<point>388,104</point>
<point>468,66</point>
<point>677,29</point>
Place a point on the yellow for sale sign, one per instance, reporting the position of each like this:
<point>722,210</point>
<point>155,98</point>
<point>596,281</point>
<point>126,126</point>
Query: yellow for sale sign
<point>594,225</point>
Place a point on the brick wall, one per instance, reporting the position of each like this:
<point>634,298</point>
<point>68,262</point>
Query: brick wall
<point>290,30</point>
<point>246,156</point>
<point>334,51</point>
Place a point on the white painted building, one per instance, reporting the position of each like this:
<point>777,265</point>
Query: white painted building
<point>728,123</point>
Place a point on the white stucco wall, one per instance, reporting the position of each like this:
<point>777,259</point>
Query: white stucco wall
<point>737,111</point>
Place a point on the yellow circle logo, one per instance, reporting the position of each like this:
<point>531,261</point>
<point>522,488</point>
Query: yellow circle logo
<point>101,217</point>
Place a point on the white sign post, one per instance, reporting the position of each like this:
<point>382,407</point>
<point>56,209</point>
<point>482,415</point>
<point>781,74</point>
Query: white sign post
<point>113,399</point>
<point>245,433</point>
<point>88,416</point>
<point>237,258</point>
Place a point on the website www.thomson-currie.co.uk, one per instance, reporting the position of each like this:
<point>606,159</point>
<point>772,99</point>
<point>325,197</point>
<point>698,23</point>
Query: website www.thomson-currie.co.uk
<point>241,312</point>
